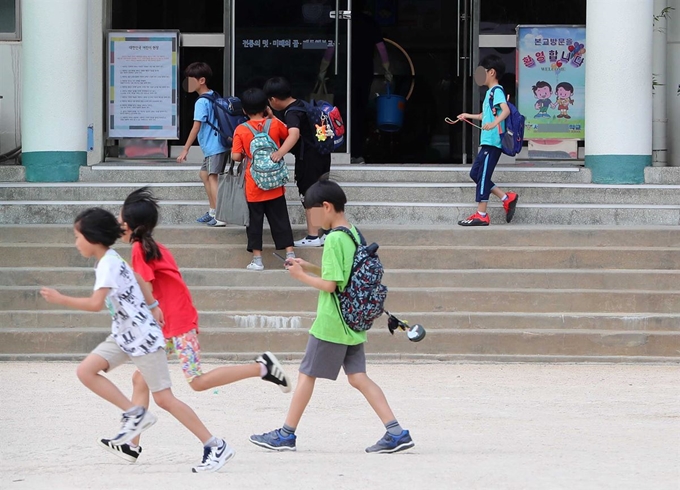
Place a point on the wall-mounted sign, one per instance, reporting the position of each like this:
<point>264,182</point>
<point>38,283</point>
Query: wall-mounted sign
<point>551,81</point>
<point>143,84</point>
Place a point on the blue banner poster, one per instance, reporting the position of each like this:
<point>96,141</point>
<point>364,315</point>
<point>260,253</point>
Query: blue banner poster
<point>551,81</point>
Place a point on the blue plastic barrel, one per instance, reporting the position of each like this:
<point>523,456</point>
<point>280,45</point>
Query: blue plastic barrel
<point>390,111</point>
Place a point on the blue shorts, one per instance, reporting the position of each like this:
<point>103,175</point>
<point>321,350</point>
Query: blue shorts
<point>482,170</point>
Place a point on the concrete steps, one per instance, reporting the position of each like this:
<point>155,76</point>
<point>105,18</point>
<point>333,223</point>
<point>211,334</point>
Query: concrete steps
<point>426,257</point>
<point>378,194</point>
<point>490,345</point>
<point>412,192</point>
<point>604,288</point>
<point>498,293</point>
<point>634,279</point>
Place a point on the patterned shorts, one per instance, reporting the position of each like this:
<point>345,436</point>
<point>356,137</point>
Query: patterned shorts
<point>188,351</point>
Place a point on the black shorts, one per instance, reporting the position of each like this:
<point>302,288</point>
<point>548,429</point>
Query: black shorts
<point>310,170</point>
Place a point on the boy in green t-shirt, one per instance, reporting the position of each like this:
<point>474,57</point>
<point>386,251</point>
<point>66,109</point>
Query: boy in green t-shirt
<point>331,342</point>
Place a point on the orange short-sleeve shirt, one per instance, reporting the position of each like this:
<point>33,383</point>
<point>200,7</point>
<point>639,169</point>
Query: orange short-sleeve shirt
<point>242,139</point>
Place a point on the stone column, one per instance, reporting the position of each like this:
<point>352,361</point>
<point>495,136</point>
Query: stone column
<point>673,83</point>
<point>659,114</point>
<point>619,90</point>
<point>54,89</point>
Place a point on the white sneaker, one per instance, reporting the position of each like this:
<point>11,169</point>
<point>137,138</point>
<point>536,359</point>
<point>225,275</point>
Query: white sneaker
<point>254,266</point>
<point>214,458</point>
<point>215,223</point>
<point>310,241</point>
<point>133,425</point>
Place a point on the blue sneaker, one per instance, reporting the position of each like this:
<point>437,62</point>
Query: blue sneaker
<point>275,441</point>
<point>392,444</point>
<point>206,218</point>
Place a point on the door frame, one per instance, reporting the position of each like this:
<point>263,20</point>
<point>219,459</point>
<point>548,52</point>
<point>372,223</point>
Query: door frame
<point>230,68</point>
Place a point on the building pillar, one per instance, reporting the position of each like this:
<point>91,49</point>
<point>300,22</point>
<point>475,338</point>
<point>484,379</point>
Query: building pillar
<point>673,83</point>
<point>54,89</point>
<point>659,115</point>
<point>618,90</point>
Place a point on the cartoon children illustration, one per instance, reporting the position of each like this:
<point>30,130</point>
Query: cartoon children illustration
<point>542,92</point>
<point>564,91</point>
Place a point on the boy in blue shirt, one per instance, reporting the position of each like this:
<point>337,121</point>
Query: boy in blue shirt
<point>493,126</point>
<point>214,152</point>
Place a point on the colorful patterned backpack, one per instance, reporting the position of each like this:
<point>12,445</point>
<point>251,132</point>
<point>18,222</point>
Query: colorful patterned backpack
<point>363,299</point>
<point>266,173</point>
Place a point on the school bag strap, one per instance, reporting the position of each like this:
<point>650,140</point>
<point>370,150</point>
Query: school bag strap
<point>491,95</point>
<point>347,231</point>
<point>265,130</point>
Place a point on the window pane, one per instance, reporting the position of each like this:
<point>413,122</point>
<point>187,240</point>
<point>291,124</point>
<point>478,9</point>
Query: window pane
<point>197,16</point>
<point>502,16</point>
<point>8,16</point>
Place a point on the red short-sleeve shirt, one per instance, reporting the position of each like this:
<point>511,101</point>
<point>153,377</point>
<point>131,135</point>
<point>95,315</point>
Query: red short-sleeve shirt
<point>169,289</point>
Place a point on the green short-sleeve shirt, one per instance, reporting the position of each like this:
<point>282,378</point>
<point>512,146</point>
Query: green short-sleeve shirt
<point>336,265</point>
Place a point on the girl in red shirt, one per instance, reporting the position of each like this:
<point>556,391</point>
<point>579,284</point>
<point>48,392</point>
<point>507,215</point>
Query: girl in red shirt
<point>155,267</point>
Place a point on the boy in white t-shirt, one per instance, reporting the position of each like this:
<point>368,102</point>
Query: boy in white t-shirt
<point>135,336</point>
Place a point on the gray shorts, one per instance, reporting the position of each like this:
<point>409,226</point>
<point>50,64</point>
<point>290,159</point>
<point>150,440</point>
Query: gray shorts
<point>154,366</point>
<point>323,359</point>
<point>214,164</point>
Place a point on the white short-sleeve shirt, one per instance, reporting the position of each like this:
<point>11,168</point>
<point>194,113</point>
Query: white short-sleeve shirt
<point>133,327</point>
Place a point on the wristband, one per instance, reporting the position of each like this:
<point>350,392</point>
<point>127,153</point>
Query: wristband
<point>153,305</point>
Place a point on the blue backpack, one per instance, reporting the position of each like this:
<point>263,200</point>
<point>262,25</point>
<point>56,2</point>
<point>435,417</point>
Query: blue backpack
<point>229,114</point>
<point>363,299</point>
<point>321,124</point>
<point>512,138</point>
<point>266,173</point>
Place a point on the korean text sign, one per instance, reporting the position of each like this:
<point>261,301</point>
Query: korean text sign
<point>551,81</point>
<point>143,85</point>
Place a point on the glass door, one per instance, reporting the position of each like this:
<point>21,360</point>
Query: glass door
<point>429,45</point>
<point>295,39</point>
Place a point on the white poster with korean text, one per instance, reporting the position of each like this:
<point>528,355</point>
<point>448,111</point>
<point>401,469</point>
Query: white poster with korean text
<point>143,84</point>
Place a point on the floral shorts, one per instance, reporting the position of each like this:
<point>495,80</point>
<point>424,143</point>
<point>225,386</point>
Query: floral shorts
<point>188,351</point>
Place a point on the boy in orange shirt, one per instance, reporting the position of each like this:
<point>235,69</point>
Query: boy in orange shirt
<point>271,203</point>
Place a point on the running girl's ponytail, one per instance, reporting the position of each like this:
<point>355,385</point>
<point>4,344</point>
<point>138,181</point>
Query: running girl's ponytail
<point>140,213</point>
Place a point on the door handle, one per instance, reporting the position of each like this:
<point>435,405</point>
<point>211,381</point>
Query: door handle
<point>458,41</point>
<point>341,14</point>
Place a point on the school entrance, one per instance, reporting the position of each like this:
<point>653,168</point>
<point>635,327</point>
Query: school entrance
<point>328,49</point>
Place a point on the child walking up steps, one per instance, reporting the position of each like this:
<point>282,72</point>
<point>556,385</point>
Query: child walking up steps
<point>135,336</point>
<point>157,270</point>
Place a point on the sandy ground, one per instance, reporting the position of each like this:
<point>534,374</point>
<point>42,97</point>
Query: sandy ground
<point>476,426</point>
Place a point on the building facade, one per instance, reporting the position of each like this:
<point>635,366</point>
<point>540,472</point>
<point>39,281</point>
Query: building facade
<point>53,71</point>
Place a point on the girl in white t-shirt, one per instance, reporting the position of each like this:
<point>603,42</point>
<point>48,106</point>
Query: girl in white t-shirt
<point>135,336</point>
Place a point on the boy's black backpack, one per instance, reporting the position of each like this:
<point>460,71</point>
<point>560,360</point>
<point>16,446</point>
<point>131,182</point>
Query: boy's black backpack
<point>323,131</point>
<point>363,299</point>
<point>229,114</point>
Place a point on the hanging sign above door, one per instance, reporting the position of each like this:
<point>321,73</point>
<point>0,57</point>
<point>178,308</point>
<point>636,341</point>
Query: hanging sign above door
<point>143,84</point>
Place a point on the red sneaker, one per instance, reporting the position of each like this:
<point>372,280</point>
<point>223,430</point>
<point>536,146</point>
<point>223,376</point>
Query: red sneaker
<point>509,205</point>
<point>475,220</point>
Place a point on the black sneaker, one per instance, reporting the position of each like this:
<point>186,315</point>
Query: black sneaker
<point>123,451</point>
<point>275,373</point>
